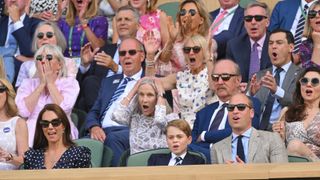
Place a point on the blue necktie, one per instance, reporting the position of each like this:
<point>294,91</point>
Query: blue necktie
<point>240,151</point>
<point>217,120</point>
<point>178,161</point>
<point>119,91</point>
<point>299,30</point>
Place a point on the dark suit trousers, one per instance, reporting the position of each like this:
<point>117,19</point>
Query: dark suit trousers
<point>118,140</point>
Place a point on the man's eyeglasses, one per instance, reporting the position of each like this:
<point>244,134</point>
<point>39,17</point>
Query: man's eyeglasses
<point>131,52</point>
<point>3,89</point>
<point>224,77</point>
<point>195,49</point>
<point>54,123</point>
<point>240,107</point>
<point>258,18</point>
<point>49,57</point>
<point>49,35</point>
<point>314,81</point>
<point>192,12</point>
<point>313,13</point>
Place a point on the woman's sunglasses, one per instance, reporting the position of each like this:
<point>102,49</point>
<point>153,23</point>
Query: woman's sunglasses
<point>49,57</point>
<point>314,81</point>
<point>195,49</point>
<point>258,18</point>
<point>131,52</point>
<point>240,107</point>
<point>3,89</point>
<point>49,35</point>
<point>313,13</point>
<point>54,123</point>
<point>192,12</point>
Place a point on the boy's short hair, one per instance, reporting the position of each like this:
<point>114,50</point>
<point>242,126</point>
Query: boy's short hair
<point>181,124</point>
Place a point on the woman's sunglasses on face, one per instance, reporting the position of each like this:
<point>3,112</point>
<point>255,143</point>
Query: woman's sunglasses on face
<point>46,123</point>
<point>41,35</point>
<point>313,13</point>
<point>195,49</point>
<point>257,18</point>
<point>49,57</point>
<point>3,89</point>
<point>240,107</point>
<point>314,81</point>
<point>192,12</point>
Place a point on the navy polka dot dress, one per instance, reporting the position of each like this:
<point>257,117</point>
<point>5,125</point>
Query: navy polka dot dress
<point>74,157</point>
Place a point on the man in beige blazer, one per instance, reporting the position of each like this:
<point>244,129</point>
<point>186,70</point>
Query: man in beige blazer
<point>246,144</point>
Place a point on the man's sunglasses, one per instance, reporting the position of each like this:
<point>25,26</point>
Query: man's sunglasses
<point>131,52</point>
<point>49,35</point>
<point>3,89</point>
<point>313,13</point>
<point>224,77</point>
<point>240,107</point>
<point>49,57</point>
<point>195,49</point>
<point>192,12</point>
<point>314,81</point>
<point>258,18</point>
<point>54,123</point>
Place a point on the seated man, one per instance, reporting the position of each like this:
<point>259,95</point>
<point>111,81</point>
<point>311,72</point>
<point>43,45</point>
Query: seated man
<point>246,144</point>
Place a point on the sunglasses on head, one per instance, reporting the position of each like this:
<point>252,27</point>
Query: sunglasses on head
<point>49,57</point>
<point>54,123</point>
<point>131,52</point>
<point>314,81</point>
<point>224,77</point>
<point>258,18</point>
<point>240,107</point>
<point>195,49</point>
<point>192,12</point>
<point>3,89</point>
<point>49,35</point>
<point>313,13</point>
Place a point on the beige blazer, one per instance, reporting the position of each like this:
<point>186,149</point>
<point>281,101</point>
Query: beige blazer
<point>264,147</point>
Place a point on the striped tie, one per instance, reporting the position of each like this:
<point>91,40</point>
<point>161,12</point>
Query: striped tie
<point>117,94</point>
<point>299,30</point>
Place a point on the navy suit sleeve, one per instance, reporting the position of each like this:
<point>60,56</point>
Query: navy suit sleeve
<point>256,118</point>
<point>275,18</point>
<point>216,136</point>
<point>229,54</point>
<point>152,160</point>
<point>196,129</point>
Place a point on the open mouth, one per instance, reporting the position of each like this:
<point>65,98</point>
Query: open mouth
<point>79,1</point>
<point>145,106</point>
<point>192,60</point>
<point>128,63</point>
<point>235,118</point>
<point>175,146</point>
<point>309,92</point>
<point>274,54</point>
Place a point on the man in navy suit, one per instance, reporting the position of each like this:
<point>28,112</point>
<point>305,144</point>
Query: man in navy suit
<point>17,30</point>
<point>211,123</point>
<point>230,26</point>
<point>98,120</point>
<point>241,49</point>
<point>94,68</point>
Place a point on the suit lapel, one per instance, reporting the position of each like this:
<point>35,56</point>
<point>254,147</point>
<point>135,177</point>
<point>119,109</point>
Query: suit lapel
<point>253,145</point>
<point>226,149</point>
<point>290,76</point>
<point>3,30</point>
<point>265,60</point>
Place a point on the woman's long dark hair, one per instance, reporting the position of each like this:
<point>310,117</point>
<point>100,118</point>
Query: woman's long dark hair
<point>296,112</point>
<point>40,141</point>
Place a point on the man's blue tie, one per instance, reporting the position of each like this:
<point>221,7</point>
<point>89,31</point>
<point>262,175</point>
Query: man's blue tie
<point>119,91</point>
<point>178,161</point>
<point>240,151</point>
<point>299,29</point>
<point>217,120</point>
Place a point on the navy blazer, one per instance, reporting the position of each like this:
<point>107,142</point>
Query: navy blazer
<point>203,118</point>
<point>107,88</point>
<point>23,35</point>
<point>96,70</point>
<point>239,50</point>
<point>236,28</point>
<point>283,14</point>
<point>163,159</point>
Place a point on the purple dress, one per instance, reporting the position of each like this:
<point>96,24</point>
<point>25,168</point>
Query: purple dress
<point>305,49</point>
<point>98,25</point>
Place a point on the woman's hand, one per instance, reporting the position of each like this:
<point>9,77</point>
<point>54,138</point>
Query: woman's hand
<point>50,75</point>
<point>87,54</point>
<point>279,127</point>
<point>150,43</point>
<point>159,86</point>
<point>83,10</point>
<point>316,38</point>
<point>173,29</point>
<point>4,155</point>
<point>40,72</point>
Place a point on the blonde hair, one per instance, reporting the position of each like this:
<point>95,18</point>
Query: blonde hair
<point>10,105</point>
<point>56,52</point>
<point>2,69</point>
<point>90,12</point>
<point>307,28</point>
<point>202,42</point>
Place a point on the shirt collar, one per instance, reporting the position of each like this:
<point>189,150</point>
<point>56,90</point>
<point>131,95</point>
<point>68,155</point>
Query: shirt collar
<point>136,76</point>
<point>173,156</point>
<point>21,18</point>
<point>303,3</point>
<point>247,134</point>
<point>260,41</point>
<point>284,67</point>
<point>229,10</point>
<point>221,103</point>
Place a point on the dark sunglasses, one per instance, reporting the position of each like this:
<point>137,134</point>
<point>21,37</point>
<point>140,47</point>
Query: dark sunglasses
<point>258,18</point>
<point>131,52</point>
<point>49,35</point>
<point>49,57</point>
<point>192,12</point>
<point>54,123</point>
<point>313,13</point>
<point>224,77</point>
<point>240,107</point>
<point>3,89</point>
<point>314,81</point>
<point>195,49</point>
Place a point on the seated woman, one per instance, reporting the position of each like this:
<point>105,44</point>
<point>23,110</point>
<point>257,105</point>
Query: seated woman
<point>51,85</point>
<point>13,129</point>
<point>145,111</point>
<point>310,47</point>
<point>53,147</point>
<point>302,119</point>
<point>178,134</point>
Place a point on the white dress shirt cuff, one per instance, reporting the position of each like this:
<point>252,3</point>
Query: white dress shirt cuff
<point>202,135</point>
<point>84,69</point>
<point>280,92</point>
